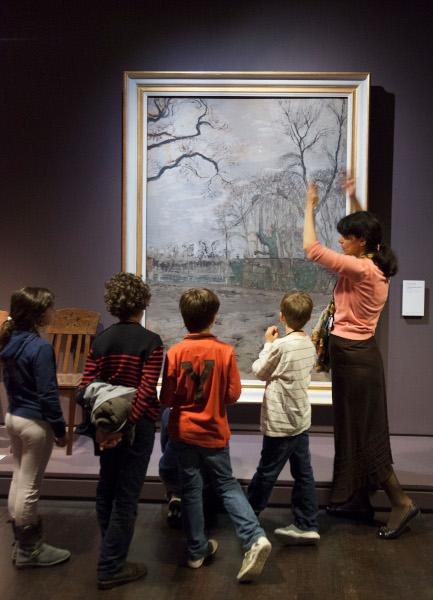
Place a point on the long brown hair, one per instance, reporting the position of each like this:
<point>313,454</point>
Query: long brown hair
<point>27,309</point>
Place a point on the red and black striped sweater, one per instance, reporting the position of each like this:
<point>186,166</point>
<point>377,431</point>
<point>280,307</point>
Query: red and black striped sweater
<point>128,354</point>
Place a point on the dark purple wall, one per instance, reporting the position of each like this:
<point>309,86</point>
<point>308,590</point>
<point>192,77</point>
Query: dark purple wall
<point>61,138</point>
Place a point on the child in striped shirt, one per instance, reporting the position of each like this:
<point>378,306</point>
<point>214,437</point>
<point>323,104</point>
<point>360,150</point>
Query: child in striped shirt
<point>285,364</point>
<point>124,354</point>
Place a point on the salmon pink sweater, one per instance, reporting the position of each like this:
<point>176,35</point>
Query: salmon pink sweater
<point>360,293</point>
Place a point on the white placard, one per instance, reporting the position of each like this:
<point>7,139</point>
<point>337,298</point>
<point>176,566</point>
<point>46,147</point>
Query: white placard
<point>413,298</point>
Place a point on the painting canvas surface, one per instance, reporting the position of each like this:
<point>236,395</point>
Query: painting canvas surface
<point>226,182</point>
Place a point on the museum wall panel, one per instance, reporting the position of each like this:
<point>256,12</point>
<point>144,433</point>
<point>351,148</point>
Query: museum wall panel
<point>61,136</point>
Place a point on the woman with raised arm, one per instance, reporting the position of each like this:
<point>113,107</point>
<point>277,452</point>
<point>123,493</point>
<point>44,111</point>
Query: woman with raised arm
<point>363,460</point>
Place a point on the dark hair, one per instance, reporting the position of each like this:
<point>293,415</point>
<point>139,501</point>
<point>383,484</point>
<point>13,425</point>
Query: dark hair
<point>126,295</point>
<point>198,307</point>
<point>365,225</point>
<point>27,309</point>
<point>296,308</point>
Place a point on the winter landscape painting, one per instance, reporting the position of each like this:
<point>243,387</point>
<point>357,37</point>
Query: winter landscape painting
<point>225,195</point>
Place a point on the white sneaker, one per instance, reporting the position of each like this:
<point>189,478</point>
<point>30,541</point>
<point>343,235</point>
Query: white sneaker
<point>294,535</point>
<point>254,560</point>
<point>212,547</point>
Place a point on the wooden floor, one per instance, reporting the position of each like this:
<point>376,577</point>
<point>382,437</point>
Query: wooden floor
<point>350,563</point>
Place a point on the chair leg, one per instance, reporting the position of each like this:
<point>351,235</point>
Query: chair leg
<point>71,423</point>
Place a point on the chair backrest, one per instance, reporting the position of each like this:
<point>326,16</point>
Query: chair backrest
<point>3,316</point>
<point>71,335</point>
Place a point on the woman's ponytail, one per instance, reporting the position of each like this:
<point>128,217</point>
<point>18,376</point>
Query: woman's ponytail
<point>386,260</point>
<point>364,225</point>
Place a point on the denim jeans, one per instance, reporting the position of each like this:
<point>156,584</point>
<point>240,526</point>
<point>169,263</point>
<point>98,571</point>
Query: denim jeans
<point>276,451</point>
<point>122,473</point>
<point>216,461</point>
<point>168,467</point>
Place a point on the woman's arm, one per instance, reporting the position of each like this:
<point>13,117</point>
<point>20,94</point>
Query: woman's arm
<point>349,266</point>
<point>350,187</point>
<point>46,386</point>
<point>311,201</point>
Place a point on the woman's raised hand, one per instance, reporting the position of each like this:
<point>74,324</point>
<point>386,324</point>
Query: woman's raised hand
<point>312,195</point>
<point>349,184</point>
<point>311,201</point>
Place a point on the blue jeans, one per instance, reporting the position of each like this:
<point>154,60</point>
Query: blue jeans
<point>168,468</point>
<point>122,473</point>
<point>217,463</point>
<point>276,451</point>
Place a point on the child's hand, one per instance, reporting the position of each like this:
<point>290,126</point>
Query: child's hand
<point>107,440</point>
<point>271,334</point>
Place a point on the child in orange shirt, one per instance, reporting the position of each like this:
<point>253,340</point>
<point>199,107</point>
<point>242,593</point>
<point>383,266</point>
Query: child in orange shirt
<point>200,378</point>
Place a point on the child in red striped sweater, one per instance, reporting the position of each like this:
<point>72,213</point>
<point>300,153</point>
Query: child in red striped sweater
<point>124,354</point>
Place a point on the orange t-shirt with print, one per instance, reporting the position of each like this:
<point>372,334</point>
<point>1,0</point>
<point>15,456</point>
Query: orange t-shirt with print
<point>200,378</point>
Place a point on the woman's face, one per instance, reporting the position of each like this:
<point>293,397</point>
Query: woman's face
<point>48,316</point>
<point>351,245</point>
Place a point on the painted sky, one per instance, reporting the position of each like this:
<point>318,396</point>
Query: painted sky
<point>251,143</point>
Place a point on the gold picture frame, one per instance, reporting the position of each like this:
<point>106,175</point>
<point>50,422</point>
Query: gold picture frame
<point>141,89</point>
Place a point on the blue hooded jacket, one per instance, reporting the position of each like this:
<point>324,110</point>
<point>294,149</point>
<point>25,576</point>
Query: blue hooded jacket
<point>29,370</point>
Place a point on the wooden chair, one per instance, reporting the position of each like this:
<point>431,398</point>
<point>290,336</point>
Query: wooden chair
<point>71,335</point>
<point>3,316</point>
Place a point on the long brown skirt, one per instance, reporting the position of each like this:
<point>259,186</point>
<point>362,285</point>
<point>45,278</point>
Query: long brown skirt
<point>362,449</point>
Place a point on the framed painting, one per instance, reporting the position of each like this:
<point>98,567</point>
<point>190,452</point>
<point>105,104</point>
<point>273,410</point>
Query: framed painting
<point>215,169</point>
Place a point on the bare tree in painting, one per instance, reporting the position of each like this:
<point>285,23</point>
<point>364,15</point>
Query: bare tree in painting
<point>267,212</point>
<point>327,179</point>
<point>334,154</point>
<point>239,207</point>
<point>207,249</point>
<point>301,126</point>
<point>224,225</point>
<point>175,129</point>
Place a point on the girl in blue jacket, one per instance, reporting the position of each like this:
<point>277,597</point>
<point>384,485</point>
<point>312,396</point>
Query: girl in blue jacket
<point>34,420</point>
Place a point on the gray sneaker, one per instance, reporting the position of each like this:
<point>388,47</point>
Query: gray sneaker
<point>212,547</point>
<point>129,572</point>
<point>298,537</point>
<point>40,555</point>
<point>30,551</point>
<point>254,560</point>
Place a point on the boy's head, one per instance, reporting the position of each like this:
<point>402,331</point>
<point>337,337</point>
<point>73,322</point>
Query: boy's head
<point>198,307</point>
<point>296,308</point>
<point>126,295</point>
